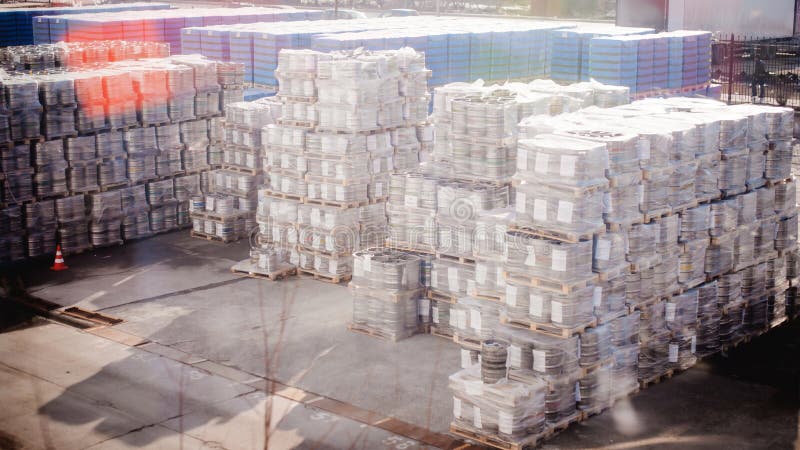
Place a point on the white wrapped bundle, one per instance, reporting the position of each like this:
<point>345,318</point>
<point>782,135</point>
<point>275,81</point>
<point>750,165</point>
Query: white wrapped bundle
<point>562,160</point>
<point>623,150</point>
<point>474,318</point>
<point>559,209</point>
<point>609,251</point>
<point>682,185</point>
<point>692,262</point>
<point>490,233</point>
<point>330,192</point>
<point>489,278</point>
<point>550,260</point>
<point>707,177</point>
<point>452,277</point>
<point>341,241</point>
<point>642,244</point>
<point>639,285</point>
<point>509,408</point>
<point>454,238</point>
<point>719,255</point>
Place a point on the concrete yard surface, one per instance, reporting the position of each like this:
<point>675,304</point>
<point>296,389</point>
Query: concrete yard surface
<point>202,354</point>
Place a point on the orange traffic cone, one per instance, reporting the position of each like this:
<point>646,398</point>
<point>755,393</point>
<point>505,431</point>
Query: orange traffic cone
<point>59,265</point>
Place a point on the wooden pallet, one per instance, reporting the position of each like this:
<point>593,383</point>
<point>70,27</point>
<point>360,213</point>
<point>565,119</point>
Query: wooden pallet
<point>563,424</point>
<point>409,247</point>
<point>563,236</point>
<point>282,196</point>
<point>442,296</point>
<point>434,330</point>
<point>549,329</point>
<point>248,269</point>
<point>778,322</point>
<point>367,132</point>
<point>495,441</point>
<point>612,273</point>
<point>684,207</point>
<point>773,183</point>
<point>612,317</point>
<point>552,285</point>
<point>296,98</point>
<point>374,333</point>
<point>243,170</point>
<point>335,279</point>
<point>647,382</point>
<point>212,237</point>
<point>338,181</point>
<point>465,342</point>
<point>656,214</point>
<point>586,370</point>
<point>490,297</point>
<point>458,259</point>
<point>335,204</point>
<point>307,124</point>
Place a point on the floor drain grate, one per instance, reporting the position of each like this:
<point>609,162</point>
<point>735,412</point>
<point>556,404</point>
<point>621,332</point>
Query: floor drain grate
<point>98,318</point>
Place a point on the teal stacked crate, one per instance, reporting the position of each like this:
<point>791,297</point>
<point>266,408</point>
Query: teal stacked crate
<point>190,41</point>
<point>703,57</point>
<point>644,62</point>
<point>241,45</point>
<point>435,47</point>
<point>215,43</point>
<point>501,51</point>
<point>520,53</point>
<point>586,38</point>
<point>660,62</point>
<point>172,33</point>
<point>133,30</point>
<point>154,30</point>
<point>458,57</point>
<point>613,61</point>
<point>690,60</point>
<point>480,55</point>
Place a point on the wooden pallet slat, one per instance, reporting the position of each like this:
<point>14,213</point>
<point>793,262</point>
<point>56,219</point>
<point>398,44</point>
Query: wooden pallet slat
<point>248,269</point>
<point>335,279</point>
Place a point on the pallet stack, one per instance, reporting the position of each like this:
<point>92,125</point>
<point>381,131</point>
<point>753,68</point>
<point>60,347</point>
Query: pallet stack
<point>130,139</point>
<point>386,289</point>
<point>347,120</point>
<point>76,54</point>
<point>241,163</point>
<point>601,302</point>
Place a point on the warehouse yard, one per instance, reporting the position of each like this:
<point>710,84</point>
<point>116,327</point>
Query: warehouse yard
<point>181,306</point>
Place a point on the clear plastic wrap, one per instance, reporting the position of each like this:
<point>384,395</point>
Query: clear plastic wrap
<point>719,255</point>
<point>475,319</point>
<point>551,260</point>
<point>451,277</point>
<point>562,160</point>
<point>559,209</point>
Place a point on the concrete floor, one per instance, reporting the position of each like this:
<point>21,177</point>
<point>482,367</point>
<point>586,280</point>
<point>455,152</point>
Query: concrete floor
<point>185,312</point>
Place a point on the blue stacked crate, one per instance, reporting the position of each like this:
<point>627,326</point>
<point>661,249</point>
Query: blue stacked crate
<point>8,24</point>
<point>703,58</point>
<point>23,23</point>
<point>172,33</point>
<point>313,15</point>
<point>58,30</point>
<point>190,41</point>
<point>458,57</point>
<point>373,41</point>
<point>590,33</point>
<point>394,40</point>
<point>501,51</point>
<point>41,30</point>
<point>480,55</point>
<point>675,64</point>
<point>326,42</point>
<point>564,55</point>
<point>690,60</point>
<point>265,55</point>
<point>612,60</point>
<point>241,45</point>
<point>215,43</point>
<point>523,41</point>
<point>435,47</point>
<point>644,62</point>
<point>209,21</point>
<point>660,62</point>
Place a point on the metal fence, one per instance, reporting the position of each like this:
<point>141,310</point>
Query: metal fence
<point>757,71</point>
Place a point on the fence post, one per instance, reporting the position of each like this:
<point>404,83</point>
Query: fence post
<point>730,69</point>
